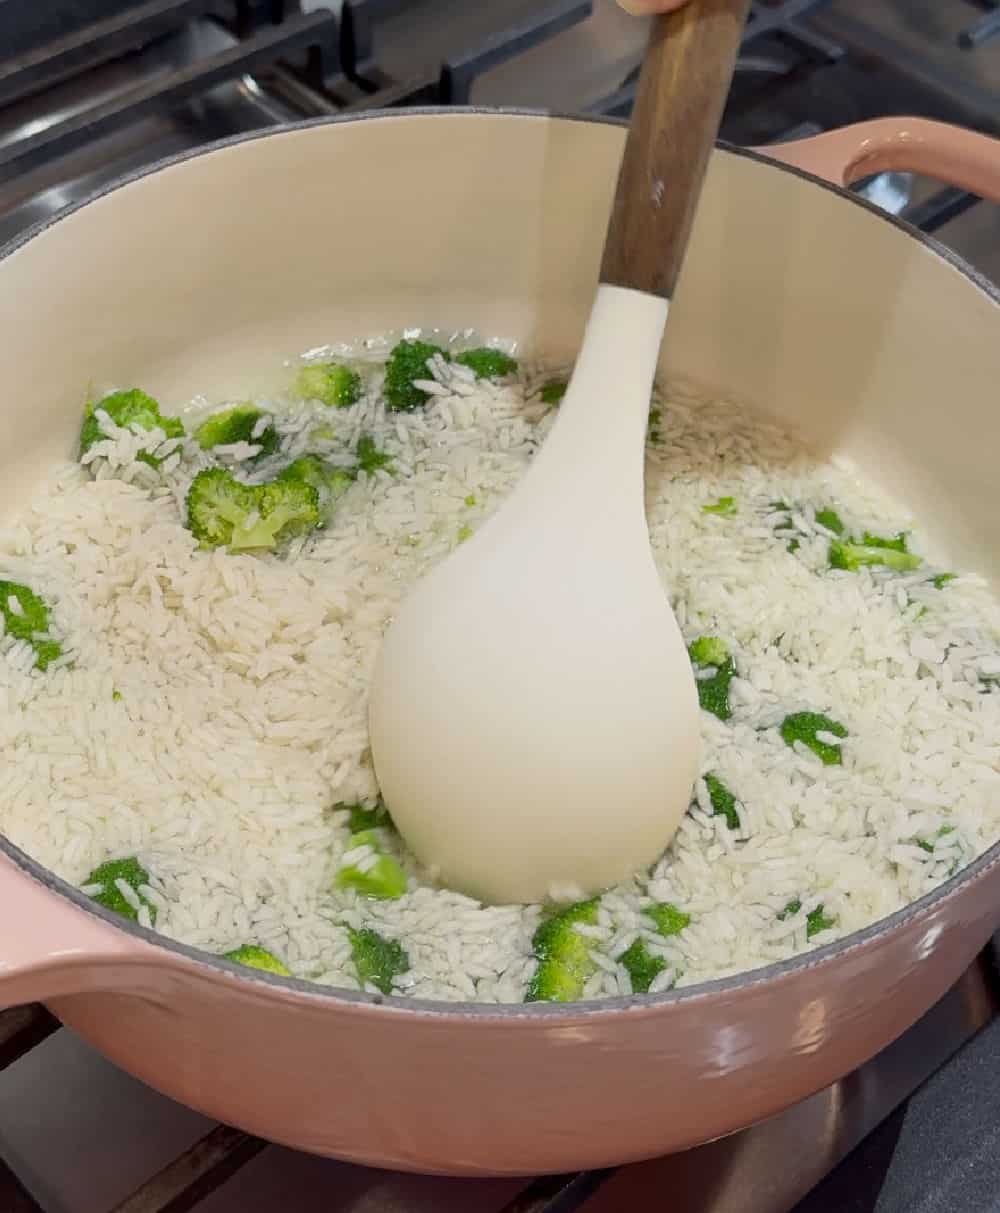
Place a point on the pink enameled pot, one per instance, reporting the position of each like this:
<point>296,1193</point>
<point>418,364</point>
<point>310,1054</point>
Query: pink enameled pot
<point>796,296</point>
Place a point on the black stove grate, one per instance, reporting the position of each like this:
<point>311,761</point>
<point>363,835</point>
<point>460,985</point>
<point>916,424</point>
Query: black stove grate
<point>987,27</point>
<point>313,33</point>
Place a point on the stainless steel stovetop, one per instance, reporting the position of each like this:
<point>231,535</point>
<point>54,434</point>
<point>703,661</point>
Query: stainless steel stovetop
<point>93,88</point>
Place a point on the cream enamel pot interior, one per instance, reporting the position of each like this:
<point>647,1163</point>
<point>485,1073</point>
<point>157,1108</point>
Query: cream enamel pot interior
<point>199,276</point>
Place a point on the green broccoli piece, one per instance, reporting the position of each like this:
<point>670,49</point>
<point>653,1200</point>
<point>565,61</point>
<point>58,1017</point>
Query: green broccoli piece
<point>218,505</point>
<point>464,532</point>
<point>370,458</point>
<point>383,878</point>
<point>377,959</point>
<point>723,801</point>
<point>667,918</point>
<point>725,507</point>
<point>711,653</point>
<point>129,409</point>
<point>257,958</point>
<point>488,363</point>
<point>563,954</point>
<point>362,818</point>
<point>805,727</point>
<point>942,579</point>
<point>896,544</point>
<point>329,482</point>
<point>332,383</point>
<point>655,417</point>
<point>470,500</point>
<point>408,361</point>
<point>831,520</point>
<point>785,523</point>
<point>553,391</point>
<point>110,896</point>
<point>26,617</point>
<point>116,695</point>
<point>928,845</point>
<point>237,425</point>
<point>642,966</point>
<point>222,511</point>
<point>873,550</point>
<point>816,921</point>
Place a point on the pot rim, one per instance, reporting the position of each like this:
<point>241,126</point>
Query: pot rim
<point>510,1013</point>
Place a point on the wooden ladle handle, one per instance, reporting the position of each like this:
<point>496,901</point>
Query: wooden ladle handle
<point>683,85</point>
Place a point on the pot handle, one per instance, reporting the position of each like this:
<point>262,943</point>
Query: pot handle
<point>949,154</point>
<point>50,948</point>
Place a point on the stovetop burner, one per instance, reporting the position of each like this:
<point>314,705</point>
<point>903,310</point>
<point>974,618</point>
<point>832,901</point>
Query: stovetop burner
<point>90,89</point>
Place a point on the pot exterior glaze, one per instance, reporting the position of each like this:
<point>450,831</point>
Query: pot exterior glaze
<point>826,315</point>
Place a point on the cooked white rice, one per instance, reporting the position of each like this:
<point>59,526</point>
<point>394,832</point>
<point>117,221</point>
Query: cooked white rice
<point>210,709</point>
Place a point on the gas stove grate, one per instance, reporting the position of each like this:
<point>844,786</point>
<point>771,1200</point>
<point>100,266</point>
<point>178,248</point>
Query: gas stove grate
<point>987,27</point>
<point>313,33</point>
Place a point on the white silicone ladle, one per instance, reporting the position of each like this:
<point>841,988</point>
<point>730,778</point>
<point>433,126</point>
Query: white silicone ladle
<point>534,716</point>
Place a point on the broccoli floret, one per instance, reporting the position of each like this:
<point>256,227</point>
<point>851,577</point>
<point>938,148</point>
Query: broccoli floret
<point>470,499</point>
<point>711,653</point>
<point>257,958</point>
<point>928,845</point>
<point>377,959</point>
<point>218,505</point>
<point>26,617</point>
<point>896,544</point>
<point>886,553</point>
<point>110,896</point>
<point>831,520</point>
<point>336,385</point>
<point>128,409</point>
<point>553,391</point>
<point>713,692</point>
<point>563,955</point>
<point>464,532</point>
<point>805,727</point>
<point>379,875</point>
<point>116,695</point>
<point>238,425</point>
<point>408,361</point>
<point>642,966</point>
<point>362,818</point>
<point>723,801</point>
<point>329,482</point>
<point>222,511</point>
<point>488,363</point>
<point>370,458</point>
<point>667,918</point>
<point>785,524</point>
<point>942,579</point>
<point>725,507</point>
<point>817,921</point>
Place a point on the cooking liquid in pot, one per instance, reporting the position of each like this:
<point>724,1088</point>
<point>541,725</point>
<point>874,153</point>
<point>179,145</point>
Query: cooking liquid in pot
<point>203,713</point>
